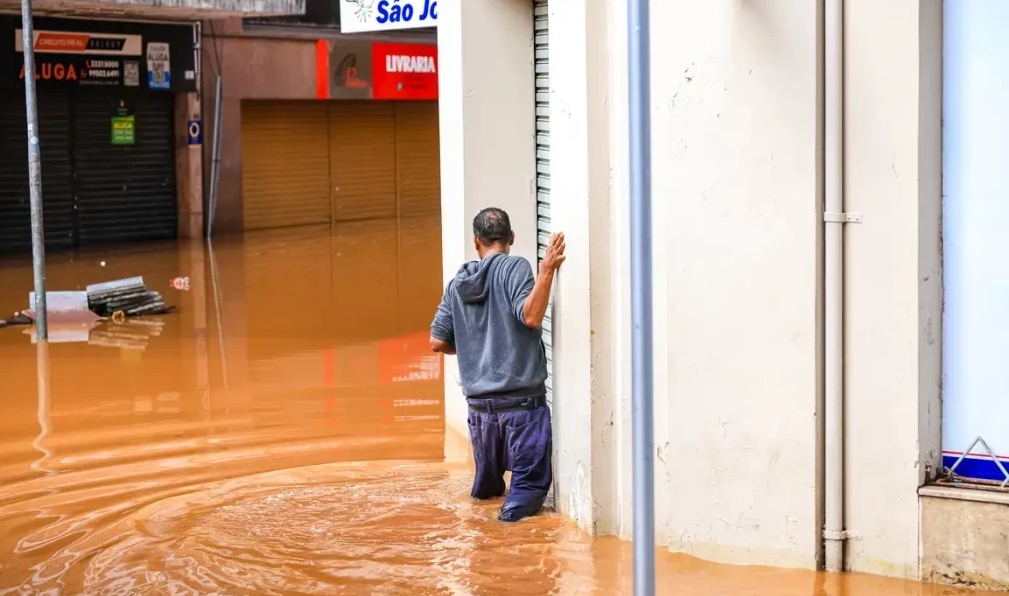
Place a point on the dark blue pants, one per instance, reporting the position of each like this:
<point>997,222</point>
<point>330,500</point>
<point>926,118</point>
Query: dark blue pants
<point>519,441</point>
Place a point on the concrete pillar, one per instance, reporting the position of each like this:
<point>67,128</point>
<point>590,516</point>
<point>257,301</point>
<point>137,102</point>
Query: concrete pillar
<point>487,119</point>
<point>584,434</point>
<point>189,168</point>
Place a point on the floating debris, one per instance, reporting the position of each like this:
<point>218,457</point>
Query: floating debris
<point>18,318</point>
<point>127,296</point>
<point>116,300</point>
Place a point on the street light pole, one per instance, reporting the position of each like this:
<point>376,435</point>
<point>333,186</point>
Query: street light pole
<point>642,390</point>
<point>34,176</point>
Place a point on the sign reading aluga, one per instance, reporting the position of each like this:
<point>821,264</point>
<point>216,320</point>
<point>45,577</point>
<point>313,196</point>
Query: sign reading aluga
<point>159,69</point>
<point>358,16</point>
<point>124,130</point>
<point>76,70</point>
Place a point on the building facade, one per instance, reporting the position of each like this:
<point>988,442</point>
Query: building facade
<point>119,112</point>
<point>533,119</point>
<point>112,98</point>
<point>319,127</point>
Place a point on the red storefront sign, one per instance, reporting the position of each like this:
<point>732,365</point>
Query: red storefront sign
<point>404,71</point>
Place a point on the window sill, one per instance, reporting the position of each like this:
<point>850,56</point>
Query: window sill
<point>978,495</point>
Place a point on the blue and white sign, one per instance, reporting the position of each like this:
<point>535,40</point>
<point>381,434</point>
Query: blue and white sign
<point>358,16</point>
<point>159,66</point>
<point>194,132</point>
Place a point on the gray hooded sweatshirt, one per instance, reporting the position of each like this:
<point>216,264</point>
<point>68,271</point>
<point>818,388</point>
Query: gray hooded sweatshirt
<point>482,316</point>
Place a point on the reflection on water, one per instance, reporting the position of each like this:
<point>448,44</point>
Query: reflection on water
<point>282,433</point>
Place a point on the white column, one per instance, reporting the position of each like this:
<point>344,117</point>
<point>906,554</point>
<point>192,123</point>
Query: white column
<point>488,153</point>
<point>893,176</point>
<point>620,277</point>
<point>584,432</point>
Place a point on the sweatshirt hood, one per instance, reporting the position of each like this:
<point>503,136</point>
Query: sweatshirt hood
<point>471,280</point>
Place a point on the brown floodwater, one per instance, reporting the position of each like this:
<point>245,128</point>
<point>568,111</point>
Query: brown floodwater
<point>281,433</point>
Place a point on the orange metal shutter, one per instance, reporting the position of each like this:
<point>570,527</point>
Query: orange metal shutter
<point>363,159</point>
<point>417,157</point>
<point>419,183</point>
<point>285,163</point>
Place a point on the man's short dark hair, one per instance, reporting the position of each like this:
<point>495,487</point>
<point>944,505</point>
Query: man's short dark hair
<point>492,226</point>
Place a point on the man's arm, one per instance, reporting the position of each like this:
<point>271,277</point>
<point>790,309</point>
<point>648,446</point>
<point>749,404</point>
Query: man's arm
<point>529,299</point>
<point>442,332</point>
<point>534,307</point>
<point>442,347</point>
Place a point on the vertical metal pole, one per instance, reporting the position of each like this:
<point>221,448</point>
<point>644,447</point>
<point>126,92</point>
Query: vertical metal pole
<point>639,108</point>
<point>215,157</point>
<point>34,176</point>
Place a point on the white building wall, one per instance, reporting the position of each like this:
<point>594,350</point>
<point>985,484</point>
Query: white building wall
<point>737,213</point>
<point>735,168</point>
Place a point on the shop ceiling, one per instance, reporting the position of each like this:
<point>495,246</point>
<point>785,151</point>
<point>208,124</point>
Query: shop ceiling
<point>159,10</point>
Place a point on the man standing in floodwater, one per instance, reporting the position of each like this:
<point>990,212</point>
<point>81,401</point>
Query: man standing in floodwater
<point>490,316</point>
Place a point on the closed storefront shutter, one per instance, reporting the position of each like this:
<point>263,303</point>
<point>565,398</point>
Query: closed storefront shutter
<point>125,192</point>
<point>285,163</point>
<point>54,142</point>
<point>417,158</point>
<point>363,149</point>
<point>542,53</point>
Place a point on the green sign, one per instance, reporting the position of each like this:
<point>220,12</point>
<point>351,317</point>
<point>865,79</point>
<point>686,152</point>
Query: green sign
<point>124,130</point>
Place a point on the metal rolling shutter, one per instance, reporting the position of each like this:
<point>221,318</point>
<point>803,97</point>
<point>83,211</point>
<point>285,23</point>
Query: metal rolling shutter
<point>57,196</point>
<point>418,177</point>
<point>285,163</point>
<point>419,225</point>
<point>541,43</point>
<point>125,193</point>
<point>363,159</point>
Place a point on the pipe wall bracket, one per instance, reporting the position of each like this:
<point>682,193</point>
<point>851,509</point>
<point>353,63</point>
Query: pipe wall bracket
<point>842,218</point>
<point>840,535</point>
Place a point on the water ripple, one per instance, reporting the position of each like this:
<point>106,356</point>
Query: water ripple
<point>353,528</point>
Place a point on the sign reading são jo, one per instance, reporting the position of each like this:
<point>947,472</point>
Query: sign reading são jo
<point>385,15</point>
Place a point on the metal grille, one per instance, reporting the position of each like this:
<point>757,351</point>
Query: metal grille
<point>541,42</point>
<point>124,192</point>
